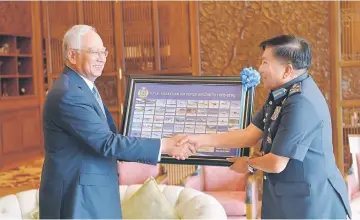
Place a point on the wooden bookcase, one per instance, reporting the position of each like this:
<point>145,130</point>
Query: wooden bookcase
<point>16,66</point>
<point>20,83</point>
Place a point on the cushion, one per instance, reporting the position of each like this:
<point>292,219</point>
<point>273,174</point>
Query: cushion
<point>148,202</point>
<point>218,178</point>
<point>35,214</point>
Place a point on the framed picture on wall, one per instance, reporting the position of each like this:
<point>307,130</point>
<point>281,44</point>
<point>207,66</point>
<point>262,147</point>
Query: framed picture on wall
<point>163,106</point>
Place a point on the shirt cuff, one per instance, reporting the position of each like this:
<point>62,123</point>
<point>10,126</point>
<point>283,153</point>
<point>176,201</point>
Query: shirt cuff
<point>159,156</point>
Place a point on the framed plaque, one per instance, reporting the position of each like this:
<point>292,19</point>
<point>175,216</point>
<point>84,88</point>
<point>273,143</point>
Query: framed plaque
<point>163,106</point>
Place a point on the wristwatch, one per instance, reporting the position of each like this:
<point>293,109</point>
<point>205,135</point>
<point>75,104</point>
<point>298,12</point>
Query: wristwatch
<point>250,168</point>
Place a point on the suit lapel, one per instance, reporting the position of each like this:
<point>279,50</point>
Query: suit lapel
<point>74,77</point>
<point>110,120</point>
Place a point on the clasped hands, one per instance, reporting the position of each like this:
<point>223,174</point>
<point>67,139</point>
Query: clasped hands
<point>178,147</point>
<point>183,146</point>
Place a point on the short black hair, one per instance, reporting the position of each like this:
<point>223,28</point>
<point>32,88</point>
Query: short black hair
<point>291,49</point>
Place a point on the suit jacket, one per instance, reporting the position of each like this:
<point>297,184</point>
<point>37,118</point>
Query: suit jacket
<point>79,177</point>
<point>297,124</point>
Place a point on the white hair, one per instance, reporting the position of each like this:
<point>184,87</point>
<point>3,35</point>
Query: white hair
<point>72,38</point>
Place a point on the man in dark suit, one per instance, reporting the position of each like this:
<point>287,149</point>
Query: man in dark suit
<point>79,177</point>
<point>301,180</point>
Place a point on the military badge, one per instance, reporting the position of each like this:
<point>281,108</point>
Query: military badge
<point>276,113</point>
<point>295,88</point>
<point>268,140</point>
<point>143,92</point>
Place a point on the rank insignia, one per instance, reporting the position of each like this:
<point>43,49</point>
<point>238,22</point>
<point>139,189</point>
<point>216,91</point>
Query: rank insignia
<point>276,113</point>
<point>295,88</point>
<point>279,93</point>
<point>268,140</point>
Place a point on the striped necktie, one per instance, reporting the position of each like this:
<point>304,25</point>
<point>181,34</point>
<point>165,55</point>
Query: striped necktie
<point>98,99</point>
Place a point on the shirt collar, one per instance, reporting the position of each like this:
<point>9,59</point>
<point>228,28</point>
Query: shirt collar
<point>87,81</point>
<point>282,91</point>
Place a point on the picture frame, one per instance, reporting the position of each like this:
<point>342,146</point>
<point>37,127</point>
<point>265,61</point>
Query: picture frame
<point>158,106</point>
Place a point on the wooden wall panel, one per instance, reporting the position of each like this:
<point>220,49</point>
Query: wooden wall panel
<point>139,52</point>
<point>350,30</point>
<point>350,83</point>
<point>11,132</point>
<point>8,10</point>
<point>20,131</point>
<point>31,128</point>
<point>230,33</point>
<point>174,34</point>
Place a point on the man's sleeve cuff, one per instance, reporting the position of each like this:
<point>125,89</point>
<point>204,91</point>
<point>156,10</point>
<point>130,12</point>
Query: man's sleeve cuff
<point>161,143</point>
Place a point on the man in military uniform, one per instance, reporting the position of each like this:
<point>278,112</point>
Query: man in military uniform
<point>301,180</point>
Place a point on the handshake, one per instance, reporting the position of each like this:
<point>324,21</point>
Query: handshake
<point>180,146</point>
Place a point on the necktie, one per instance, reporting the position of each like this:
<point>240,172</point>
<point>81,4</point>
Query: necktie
<point>98,99</point>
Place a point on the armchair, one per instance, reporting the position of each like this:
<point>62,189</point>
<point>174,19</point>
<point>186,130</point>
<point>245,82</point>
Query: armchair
<point>227,186</point>
<point>136,173</point>
<point>353,177</point>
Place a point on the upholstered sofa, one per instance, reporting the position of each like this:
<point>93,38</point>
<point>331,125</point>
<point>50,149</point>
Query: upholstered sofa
<point>227,186</point>
<point>189,203</point>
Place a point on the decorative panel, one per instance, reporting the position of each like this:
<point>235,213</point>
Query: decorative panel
<point>31,128</point>
<point>177,173</point>
<point>350,30</point>
<point>350,83</point>
<point>138,33</point>
<point>107,86</point>
<point>17,25</point>
<point>351,117</point>
<point>230,34</point>
<point>68,13</point>
<point>174,34</point>
<point>10,132</point>
<point>101,16</point>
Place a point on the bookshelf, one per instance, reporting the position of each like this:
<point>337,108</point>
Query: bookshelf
<point>16,66</point>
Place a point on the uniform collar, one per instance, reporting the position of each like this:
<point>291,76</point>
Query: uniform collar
<point>282,91</point>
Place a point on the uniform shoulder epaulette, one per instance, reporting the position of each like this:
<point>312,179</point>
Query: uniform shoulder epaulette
<point>296,88</point>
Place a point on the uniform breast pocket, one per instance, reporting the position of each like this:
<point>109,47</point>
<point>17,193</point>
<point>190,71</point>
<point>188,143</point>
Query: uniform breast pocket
<point>300,189</point>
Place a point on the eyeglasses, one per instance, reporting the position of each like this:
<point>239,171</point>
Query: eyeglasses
<point>92,52</point>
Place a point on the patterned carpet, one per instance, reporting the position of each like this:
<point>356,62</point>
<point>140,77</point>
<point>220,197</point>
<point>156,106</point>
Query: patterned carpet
<point>21,178</point>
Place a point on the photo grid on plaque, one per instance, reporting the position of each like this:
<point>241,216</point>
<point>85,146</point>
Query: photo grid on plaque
<point>157,118</point>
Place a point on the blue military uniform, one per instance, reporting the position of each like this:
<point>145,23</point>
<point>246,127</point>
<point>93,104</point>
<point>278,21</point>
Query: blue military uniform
<point>297,124</point>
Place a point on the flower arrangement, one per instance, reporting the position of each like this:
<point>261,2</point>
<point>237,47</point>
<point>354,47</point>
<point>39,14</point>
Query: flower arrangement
<point>250,77</point>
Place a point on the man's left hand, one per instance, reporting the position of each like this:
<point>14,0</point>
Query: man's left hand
<point>239,164</point>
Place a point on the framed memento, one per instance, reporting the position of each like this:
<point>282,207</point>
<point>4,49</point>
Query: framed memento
<point>163,106</point>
